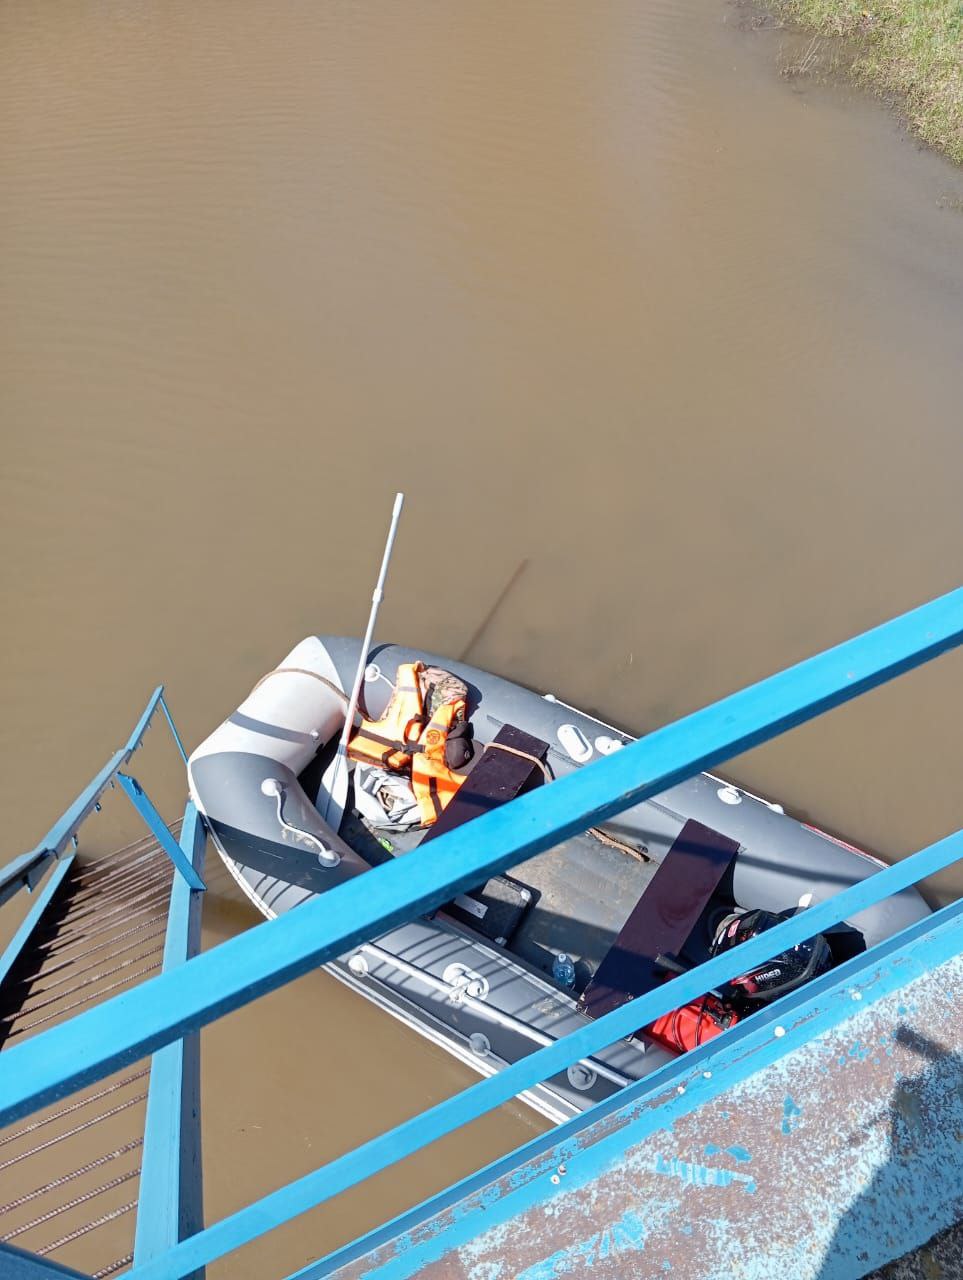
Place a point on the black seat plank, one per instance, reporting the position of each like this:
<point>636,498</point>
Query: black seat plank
<point>662,919</point>
<point>495,779</point>
<point>496,908</point>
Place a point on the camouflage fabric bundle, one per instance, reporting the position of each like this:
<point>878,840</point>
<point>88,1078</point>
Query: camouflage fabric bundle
<point>438,687</point>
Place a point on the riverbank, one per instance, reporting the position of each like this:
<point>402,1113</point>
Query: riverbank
<point>913,48</point>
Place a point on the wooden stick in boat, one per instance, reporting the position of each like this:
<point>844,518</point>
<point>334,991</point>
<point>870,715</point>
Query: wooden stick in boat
<point>376,598</point>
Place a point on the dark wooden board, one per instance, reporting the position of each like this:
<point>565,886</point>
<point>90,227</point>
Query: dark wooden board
<point>495,779</point>
<point>497,907</point>
<point>662,919</point>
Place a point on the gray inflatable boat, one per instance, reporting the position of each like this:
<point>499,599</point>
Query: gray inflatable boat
<point>482,977</point>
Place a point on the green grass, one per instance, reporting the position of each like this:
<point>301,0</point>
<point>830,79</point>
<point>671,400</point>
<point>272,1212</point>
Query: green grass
<point>910,47</point>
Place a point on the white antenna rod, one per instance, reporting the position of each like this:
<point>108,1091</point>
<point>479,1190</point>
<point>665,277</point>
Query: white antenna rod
<point>376,598</point>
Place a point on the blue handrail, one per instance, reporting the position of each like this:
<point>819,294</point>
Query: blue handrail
<point>26,869</point>
<point>162,1009</point>
<point>603,1136</point>
<point>169,1196</point>
<point>379,1153</point>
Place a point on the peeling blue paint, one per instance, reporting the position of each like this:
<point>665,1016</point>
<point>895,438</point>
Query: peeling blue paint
<point>700,1175</point>
<point>626,1235</point>
<point>790,1115</point>
<point>737,1153</point>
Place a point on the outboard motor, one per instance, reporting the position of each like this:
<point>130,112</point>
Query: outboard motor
<point>703,1019</point>
<point>784,972</point>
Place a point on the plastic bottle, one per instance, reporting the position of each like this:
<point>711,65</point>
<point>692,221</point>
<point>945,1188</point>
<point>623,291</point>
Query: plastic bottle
<point>563,970</point>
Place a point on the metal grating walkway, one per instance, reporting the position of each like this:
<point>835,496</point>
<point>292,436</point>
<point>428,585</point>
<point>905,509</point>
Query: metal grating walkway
<point>69,1176</point>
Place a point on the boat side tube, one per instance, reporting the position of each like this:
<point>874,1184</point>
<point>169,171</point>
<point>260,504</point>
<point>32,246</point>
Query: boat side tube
<point>244,776</point>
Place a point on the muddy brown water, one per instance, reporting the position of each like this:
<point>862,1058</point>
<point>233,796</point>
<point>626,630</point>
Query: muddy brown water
<point>597,287</point>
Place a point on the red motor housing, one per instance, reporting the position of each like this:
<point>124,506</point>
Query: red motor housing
<point>693,1024</point>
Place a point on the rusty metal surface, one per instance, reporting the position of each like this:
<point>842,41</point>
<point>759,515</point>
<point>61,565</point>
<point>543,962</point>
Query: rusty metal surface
<point>843,1154</point>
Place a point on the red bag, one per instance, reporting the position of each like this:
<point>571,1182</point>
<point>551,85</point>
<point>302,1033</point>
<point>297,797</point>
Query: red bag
<point>693,1024</point>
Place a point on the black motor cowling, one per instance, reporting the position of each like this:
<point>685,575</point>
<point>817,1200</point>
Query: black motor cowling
<point>784,972</point>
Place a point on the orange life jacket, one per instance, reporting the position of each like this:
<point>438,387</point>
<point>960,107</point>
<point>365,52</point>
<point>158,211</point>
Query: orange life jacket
<point>389,741</point>
<point>433,783</point>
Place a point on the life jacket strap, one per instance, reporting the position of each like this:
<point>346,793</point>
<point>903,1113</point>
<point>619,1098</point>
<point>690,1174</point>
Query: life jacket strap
<point>368,734</point>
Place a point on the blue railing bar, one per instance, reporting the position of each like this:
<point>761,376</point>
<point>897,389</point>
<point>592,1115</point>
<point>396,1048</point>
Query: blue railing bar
<point>17,873</point>
<point>141,727</point>
<point>30,921</point>
<point>388,1148</point>
<point>23,872</point>
<point>173,728</point>
<point>159,1010</point>
<point>16,1264</point>
<point>675,1089</point>
<point>169,1206</point>
<point>160,830</point>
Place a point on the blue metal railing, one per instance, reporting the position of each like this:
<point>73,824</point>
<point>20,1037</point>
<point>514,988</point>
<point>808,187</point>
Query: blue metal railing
<point>387,1149</point>
<point>598,1140</point>
<point>169,1197</point>
<point>26,870</point>
<point>30,921</point>
<point>164,1008</point>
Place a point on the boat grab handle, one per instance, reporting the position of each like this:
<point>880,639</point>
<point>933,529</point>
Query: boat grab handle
<point>328,858</point>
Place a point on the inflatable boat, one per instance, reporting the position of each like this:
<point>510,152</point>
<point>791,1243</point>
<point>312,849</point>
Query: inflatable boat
<point>562,937</point>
